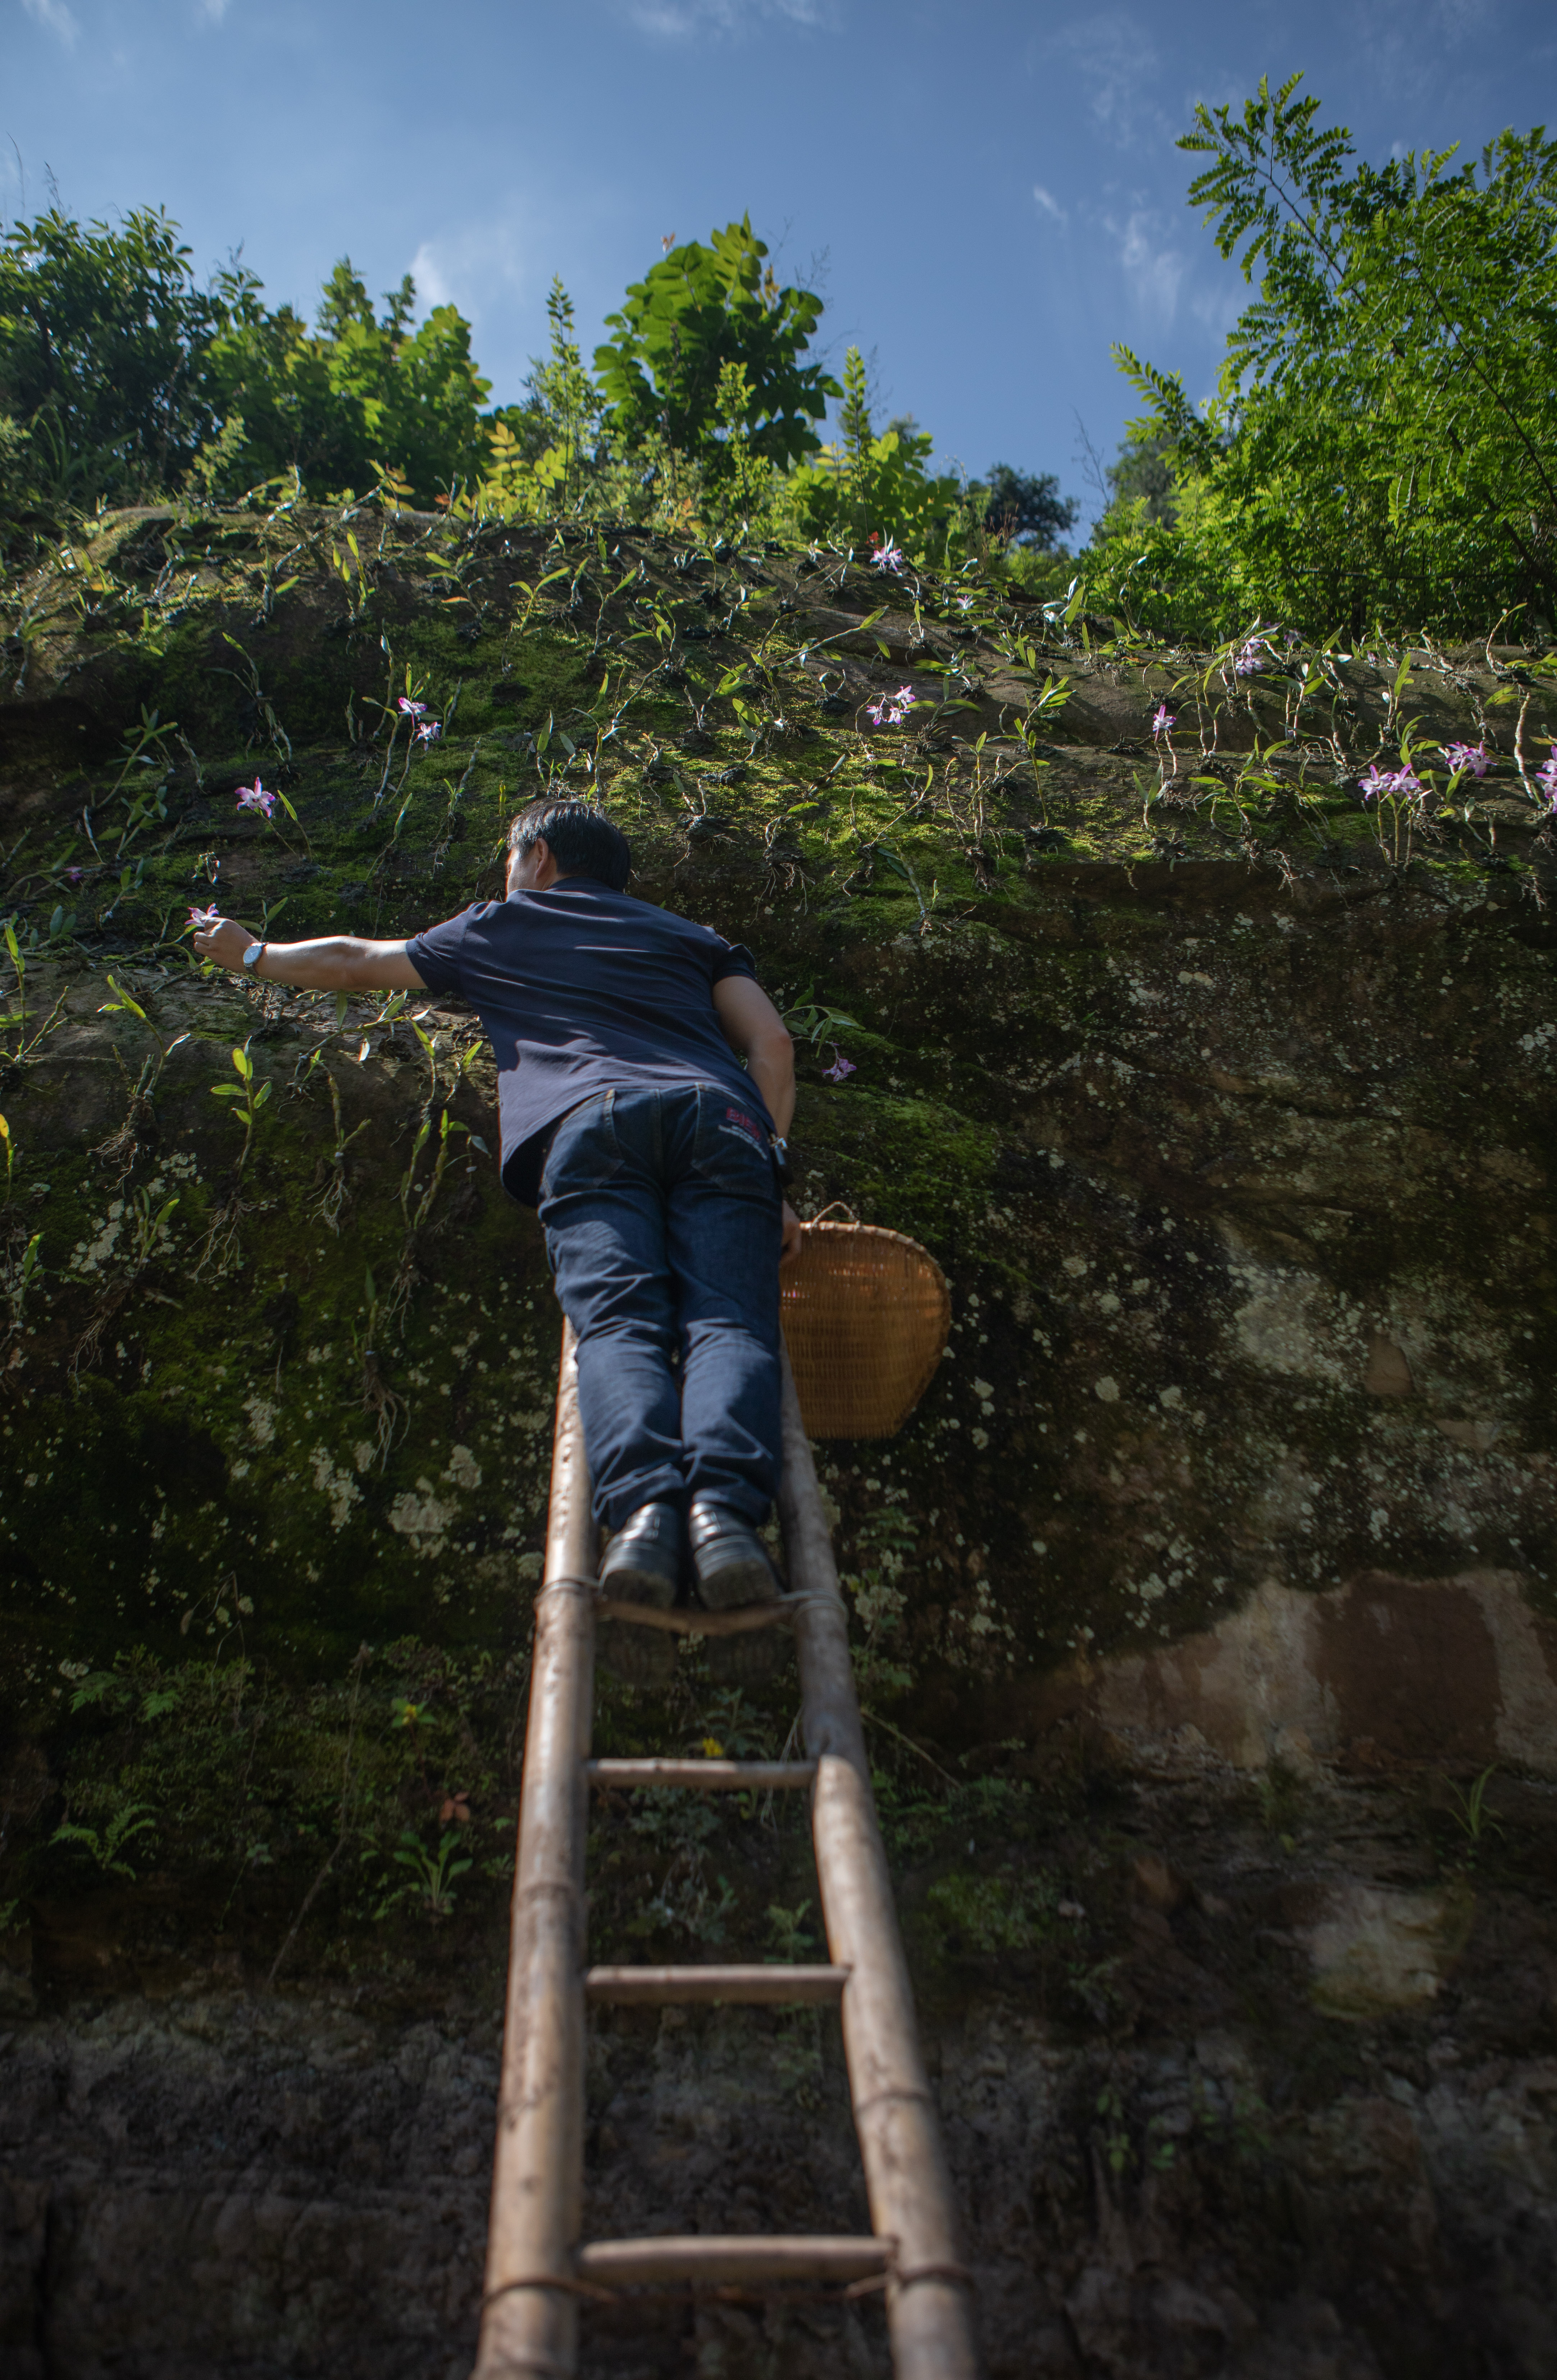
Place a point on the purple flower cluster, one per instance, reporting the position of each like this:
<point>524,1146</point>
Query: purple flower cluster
<point>255,797</point>
<point>1163,720</point>
<point>892,709</point>
<point>1384,781</point>
<point>204,919</point>
<point>1547,780</point>
<point>1467,759</point>
<point>427,729</point>
<point>1254,656</point>
<point>840,1066</point>
<point>888,555</point>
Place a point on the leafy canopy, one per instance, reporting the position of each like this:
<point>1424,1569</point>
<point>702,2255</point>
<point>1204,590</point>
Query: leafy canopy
<point>359,391</point>
<point>695,311</point>
<point>1383,440</point>
<point>864,483</point>
<point>121,379</point>
<point>101,337</point>
<point>1026,508</point>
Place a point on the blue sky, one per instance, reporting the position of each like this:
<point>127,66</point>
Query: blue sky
<point>987,192</point>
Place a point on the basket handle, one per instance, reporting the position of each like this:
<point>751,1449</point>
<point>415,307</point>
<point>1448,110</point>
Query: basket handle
<point>828,1209</point>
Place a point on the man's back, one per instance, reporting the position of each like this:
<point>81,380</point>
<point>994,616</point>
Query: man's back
<point>582,990</point>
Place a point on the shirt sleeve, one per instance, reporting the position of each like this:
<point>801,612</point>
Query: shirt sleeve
<point>436,955</point>
<point>732,958</point>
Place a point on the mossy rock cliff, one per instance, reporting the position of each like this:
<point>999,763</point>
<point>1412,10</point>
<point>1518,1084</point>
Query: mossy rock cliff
<point>1217,1563</point>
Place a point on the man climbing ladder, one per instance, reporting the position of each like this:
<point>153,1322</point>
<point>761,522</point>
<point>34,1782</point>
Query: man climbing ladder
<point>654,1159</point>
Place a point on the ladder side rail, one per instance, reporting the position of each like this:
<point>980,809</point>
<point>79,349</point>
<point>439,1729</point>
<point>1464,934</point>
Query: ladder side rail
<point>537,2200</point>
<point>930,2312</point>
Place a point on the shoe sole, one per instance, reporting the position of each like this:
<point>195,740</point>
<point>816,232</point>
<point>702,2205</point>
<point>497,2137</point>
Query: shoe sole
<point>639,1657</point>
<point>626,1583</point>
<point>737,1583</point>
<point>743,1661</point>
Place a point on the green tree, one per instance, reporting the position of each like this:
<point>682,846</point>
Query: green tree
<point>1384,444</point>
<point>1025,508</point>
<point>360,390</point>
<point>866,483</point>
<point>695,311</point>
<point>102,336</point>
<point>119,378</point>
<point>1141,468</point>
<point>558,428</point>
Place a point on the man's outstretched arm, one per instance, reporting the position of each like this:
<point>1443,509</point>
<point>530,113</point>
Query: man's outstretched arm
<point>336,962</point>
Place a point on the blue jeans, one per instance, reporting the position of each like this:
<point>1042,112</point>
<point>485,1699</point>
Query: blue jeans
<point>663,1218</point>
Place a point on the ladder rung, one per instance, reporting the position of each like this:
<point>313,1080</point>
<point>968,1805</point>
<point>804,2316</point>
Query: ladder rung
<point>696,1624</point>
<point>621,2261</point>
<point>707,1776</point>
<point>769,1984</point>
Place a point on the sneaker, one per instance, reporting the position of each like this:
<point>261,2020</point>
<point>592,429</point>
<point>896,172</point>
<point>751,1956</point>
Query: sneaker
<point>643,1564</point>
<point>733,1571</point>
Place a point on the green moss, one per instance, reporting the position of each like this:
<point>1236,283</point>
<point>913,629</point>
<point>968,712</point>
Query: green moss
<point>911,1164</point>
<point>1030,1087</point>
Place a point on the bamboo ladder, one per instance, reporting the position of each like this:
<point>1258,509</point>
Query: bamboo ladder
<point>537,2271</point>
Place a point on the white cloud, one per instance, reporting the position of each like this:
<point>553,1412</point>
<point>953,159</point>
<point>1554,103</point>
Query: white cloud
<point>1153,270</point>
<point>1050,204</point>
<point>1113,56</point>
<point>55,18</point>
<point>433,287</point>
<point>680,20</point>
<point>213,11</point>
<point>477,268</point>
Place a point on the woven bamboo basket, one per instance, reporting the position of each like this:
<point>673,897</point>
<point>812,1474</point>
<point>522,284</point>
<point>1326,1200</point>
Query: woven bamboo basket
<point>866,1313</point>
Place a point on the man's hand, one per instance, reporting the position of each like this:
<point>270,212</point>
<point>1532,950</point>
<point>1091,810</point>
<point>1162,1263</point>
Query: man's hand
<point>223,940</point>
<point>791,1247</point>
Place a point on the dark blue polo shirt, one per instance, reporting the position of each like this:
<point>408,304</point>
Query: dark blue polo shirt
<point>580,989</point>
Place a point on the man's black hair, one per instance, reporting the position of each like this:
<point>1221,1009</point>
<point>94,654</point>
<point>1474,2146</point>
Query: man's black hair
<point>580,838</point>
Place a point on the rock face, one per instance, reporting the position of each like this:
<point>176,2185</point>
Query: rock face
<point>1406,1669</point>
<point>1211,1577</point>
<point>1277,2105</point>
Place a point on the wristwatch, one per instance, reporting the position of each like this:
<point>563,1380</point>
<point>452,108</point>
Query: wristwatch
<point>252,956</point>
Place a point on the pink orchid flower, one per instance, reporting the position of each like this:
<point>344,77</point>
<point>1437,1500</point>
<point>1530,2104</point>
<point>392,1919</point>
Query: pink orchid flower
<point>255,797</point>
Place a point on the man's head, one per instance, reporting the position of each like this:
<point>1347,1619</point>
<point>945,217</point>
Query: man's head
<point>551,840</point>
